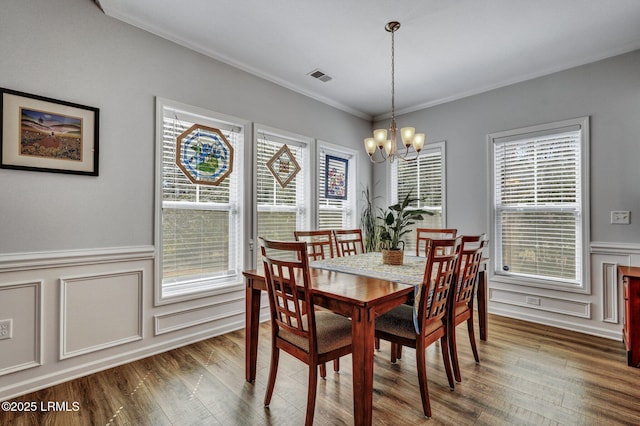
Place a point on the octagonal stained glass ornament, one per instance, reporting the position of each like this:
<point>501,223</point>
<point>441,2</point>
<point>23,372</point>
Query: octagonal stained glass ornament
<point>283,166</point>
<point>204,155</point>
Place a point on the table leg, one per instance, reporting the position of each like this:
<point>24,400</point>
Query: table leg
<point>483,300</point>
<point>252,322</point>
<point>363,332</point>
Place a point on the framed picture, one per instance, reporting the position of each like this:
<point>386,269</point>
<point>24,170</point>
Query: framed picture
<point>283,166</point>
<point>336,171</point>
<point>47,135</point>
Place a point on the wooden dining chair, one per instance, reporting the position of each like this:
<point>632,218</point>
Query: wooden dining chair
<point>348,241</point>
<point>461,304</point>
<point>312,336</point>
<point>433,233</point>
<point>397,326</point>
<point>319,243</point>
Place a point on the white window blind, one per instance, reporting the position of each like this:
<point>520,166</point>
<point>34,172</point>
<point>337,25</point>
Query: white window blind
<point>538,204</point>
<point>280,211</point>
<point>424,177</point>
<point>200,224</point>
<point>334,213</point>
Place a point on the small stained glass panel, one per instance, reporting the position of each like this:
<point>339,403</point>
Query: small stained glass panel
<point>204,155</point>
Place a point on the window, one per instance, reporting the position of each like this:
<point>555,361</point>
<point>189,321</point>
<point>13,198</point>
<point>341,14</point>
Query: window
<point>280,211</point>
<point>424,177</point>
<point>540,203</point>
<point>337,213</point>
<point>199,230</point>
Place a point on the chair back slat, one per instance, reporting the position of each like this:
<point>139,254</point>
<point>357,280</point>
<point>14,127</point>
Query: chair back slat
<point>438,279</point>
<point>288,285</point>
<point>348,241</point>
<point>422,234</point>
<point>319,243</point>
<point>469,261</point>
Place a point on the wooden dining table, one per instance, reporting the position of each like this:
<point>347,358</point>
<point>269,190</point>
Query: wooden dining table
<point>360,297</point>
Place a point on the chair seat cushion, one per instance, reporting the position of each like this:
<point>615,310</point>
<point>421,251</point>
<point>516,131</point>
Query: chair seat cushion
<point>333,331</point>
<point>399,322</point>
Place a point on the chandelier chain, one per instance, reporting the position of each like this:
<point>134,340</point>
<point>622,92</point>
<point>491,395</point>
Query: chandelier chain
<point>393,75</point>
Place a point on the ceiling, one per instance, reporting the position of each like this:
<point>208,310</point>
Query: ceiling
<point>445,49</point>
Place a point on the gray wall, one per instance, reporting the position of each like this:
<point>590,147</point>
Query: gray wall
<point>69,50</point>
<point>608,91</point>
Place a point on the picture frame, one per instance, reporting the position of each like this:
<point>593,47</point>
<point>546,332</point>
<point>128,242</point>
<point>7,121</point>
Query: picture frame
<point>336,175</point>
<point>47,135</point>
<point>283,166</point>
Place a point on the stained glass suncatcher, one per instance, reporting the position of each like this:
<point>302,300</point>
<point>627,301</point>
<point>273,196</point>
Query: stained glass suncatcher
<point>336,171</point>
<point>283,166</point>
<point>204,155</point>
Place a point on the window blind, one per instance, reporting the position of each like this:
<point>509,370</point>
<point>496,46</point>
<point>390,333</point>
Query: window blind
<point>424,179</point>
<point>333,213</point>
<point>200,225</point>
<point>538,206</point>
<point>280,211</point>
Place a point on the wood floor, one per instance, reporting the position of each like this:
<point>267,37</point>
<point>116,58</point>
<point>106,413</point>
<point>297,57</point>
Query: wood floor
<point>528,375</point>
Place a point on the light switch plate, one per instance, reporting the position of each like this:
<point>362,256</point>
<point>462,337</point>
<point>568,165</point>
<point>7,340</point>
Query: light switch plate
<point>620,217</point>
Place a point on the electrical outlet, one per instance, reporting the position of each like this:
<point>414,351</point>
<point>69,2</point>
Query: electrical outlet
<point>620,217</point>
<point>6,329</point>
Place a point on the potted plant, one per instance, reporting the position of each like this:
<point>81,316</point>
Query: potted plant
<point>396,222</point>
<point>369,222</point>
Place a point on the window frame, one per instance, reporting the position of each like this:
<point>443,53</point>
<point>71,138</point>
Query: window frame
<point>583,234</point>
<point>196,288</point>
<point>307,166</point>
<point>439,146</point>
<point>351,156</point>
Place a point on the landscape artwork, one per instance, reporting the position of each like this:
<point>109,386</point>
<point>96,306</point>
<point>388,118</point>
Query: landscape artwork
<point>48,135</point>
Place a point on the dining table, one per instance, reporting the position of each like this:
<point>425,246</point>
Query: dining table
<point>361,288</point>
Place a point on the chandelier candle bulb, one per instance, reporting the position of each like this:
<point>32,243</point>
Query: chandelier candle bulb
<point>407,135</point>
<point>370,145</point>
<point>380,135</point>
<point>418,141</point>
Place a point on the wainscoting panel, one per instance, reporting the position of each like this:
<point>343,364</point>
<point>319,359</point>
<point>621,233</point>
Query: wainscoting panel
<point>610,293</point>
<point>233,304</point>
<point>541,302</point>
<point>100,311</point>
<point>21,304</point>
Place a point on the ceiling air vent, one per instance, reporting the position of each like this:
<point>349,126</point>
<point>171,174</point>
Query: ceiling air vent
<point>320,75</point>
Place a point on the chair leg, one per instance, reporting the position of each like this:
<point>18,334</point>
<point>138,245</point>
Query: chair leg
<point>447,360</point>
<point>336,364</point>
<point>394,349</point>
<point>311,394</point>
<point>422,378</point>
<point>273,371</point>
<point>323,370</point>
<point>377,343</point>
<point>472,339</point>
<point>453,347</point>
<point>399,352</point>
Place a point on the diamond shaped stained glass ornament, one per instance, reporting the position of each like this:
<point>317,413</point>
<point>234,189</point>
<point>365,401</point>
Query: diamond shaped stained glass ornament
<point>283,166</point>
<point>204,155</point>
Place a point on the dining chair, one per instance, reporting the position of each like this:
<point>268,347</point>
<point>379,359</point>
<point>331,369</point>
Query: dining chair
<point>433,233</point>
<point>319,243</point>
<point>461,304</point>
<point>397,326</point>
<point>348,241</point>
<point>312,336</point>
<point>319,247</point>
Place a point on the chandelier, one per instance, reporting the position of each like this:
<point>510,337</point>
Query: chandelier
<point>387,147</point>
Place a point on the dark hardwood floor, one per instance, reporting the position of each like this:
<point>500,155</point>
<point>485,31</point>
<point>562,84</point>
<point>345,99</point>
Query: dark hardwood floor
<point>528,375</point>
